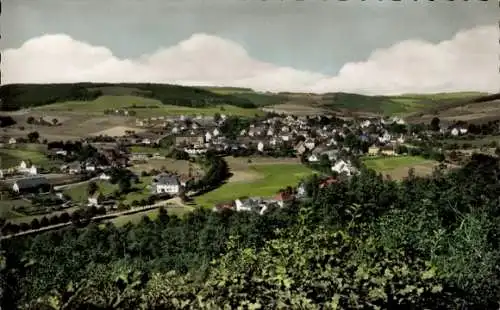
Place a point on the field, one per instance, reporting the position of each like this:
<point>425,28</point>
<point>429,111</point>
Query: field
<point>152,214</point>
<point>117,131</point>
<point>390,105</point>
<point>79,119</point>
<point>7,208</point>
<point>296,109</point>
<point>28,219</point>
<point>143,107</point>
<point>227,90</point>
<point>472,107</point>
<point>179,166</point>
<point>163,99</point>
<point>397,167</point>
<point>12,157</point>
<point>73,125</point>
<point>79,193</point>
<point>261,177</point>
<point>147,150</point>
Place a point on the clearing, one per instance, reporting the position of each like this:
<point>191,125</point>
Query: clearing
<point>139,191</point>
<point>397,167</point>
<point>262,177</point>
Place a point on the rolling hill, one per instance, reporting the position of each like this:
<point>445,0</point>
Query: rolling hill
<point>20,96</point>
<point>476,109</point>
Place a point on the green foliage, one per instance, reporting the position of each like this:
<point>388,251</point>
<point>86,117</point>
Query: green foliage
<point>18,96</point>
<point>363,243</point>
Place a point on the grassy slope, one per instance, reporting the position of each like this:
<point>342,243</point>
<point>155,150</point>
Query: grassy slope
<point>273,178</point>
<point>10,158</point>
<point>18,96</point>
<point>397,167</point>
<point>144,107</point>
<point>384,164</point>
<point>152,214</point>
<point>79,193</point>
<point>175,100</point>
<point>392,104</point>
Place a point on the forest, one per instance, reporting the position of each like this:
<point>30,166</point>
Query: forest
<point>363,243</point>
<point>19,96</point>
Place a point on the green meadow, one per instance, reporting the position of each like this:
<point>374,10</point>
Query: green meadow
<point>271,178</point>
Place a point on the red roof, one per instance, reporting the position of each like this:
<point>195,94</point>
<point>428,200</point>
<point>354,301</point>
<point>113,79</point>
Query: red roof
<point>330,180</point>
<point>224,205</point>
<point>283,196</point>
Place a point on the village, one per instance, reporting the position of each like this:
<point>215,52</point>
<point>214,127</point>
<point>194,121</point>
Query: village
<point>109,167</point>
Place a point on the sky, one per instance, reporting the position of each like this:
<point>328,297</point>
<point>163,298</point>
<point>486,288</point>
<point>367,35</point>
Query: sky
<point>370,47</point>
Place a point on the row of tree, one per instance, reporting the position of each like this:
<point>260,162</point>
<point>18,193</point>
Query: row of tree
<point>64,217</point>
<point>362,243</point>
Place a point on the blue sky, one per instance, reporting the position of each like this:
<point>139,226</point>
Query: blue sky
<point>312,40</point>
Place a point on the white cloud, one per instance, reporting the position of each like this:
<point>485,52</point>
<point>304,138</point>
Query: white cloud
<point>468,61</point>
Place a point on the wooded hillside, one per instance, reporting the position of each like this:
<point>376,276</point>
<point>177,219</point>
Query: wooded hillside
<point>18,96</point>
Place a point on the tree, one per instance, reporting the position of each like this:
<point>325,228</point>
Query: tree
<point>217,117</point>
<point>33,136</point>
<point>35,224</point>
<point>30,120</point>
<point>434,126</point>
<point>163,215</point>
<point>124,185</point>
<point>497,151</point>
<point>24,226</point>
<point>75,217</point>
<point>92,188</point>
<point>44,221</point>
<point>54,220</point>
<point>64,217</point>
<point>55,121</point>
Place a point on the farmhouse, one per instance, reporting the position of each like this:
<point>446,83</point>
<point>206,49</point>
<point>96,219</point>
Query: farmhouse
<point>260,146</point>
<point>23,168</point>
<point>327,182</point>
<point>373,151</point>
<point>229,205</point>
<point>94,200</point>
<point>104,176</point>
<point>195,151</point>
<point>166,183</point>
<point>190,140</point>
<point>342,166</point>
<point>313,158</point>
<point>30,184</point>
<point>283,198</point>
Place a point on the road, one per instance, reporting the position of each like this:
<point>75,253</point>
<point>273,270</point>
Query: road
<point>94,219</point>
<point>59,187</point>
<point>46,175</point>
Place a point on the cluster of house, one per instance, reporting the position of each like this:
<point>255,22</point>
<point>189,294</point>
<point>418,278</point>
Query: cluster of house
<point>24,169</point>
<point>25,177</point>
<point>197,135</point>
